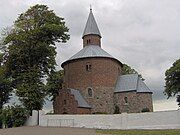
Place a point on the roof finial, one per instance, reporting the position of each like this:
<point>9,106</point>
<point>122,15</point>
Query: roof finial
<point>90,7</point>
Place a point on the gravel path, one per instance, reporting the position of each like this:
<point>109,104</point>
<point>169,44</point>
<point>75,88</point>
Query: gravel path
<point>47,131</point>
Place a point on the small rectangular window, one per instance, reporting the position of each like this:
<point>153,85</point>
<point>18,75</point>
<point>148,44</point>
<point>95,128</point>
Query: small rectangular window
<point>88,67</point>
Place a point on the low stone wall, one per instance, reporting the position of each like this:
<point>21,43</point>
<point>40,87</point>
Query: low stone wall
<point>151,120</point>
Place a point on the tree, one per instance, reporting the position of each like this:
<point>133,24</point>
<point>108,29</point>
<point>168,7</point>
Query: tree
<point>54,83</point>
<point>5,84</point>
<point>178,99</point>
<point>172,86</point>
<point>31,52</point>
<point>14,116</point>
<point>128,70</point>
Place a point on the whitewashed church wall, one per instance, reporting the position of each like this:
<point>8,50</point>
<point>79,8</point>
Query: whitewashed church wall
<point>154,120</point>
<point>150,120</point>
<point>32,120</point>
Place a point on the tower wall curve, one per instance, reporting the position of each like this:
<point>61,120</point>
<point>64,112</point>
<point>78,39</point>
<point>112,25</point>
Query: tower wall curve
<point>99,75</point>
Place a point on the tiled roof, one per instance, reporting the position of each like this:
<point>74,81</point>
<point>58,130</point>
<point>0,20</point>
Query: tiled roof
<point>130,82</point>
<point>79,98</point>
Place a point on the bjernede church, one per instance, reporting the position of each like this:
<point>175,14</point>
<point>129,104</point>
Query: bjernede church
<point>93,82</point>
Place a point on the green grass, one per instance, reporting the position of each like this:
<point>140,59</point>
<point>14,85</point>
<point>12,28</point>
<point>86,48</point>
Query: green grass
<point>140,132</point>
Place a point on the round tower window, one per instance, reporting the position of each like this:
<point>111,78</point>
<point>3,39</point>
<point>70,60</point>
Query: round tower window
<point>90,92</point>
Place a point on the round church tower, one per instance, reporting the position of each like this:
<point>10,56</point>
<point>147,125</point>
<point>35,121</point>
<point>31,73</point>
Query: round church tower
<point>92,71</point>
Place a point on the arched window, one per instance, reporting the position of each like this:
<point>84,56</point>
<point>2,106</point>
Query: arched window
<point>88,41</point>
<point>90,92</point>
<point>64,111</point>
<point>126,99</point>
<point>65,102</point>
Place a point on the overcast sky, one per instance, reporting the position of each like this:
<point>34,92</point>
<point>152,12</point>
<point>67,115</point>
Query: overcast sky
<point>144,34</point>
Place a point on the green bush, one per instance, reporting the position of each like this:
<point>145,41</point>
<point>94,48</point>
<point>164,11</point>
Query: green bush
<point>14,116</point>
<point>6,117</point>
<point>19,116</point>
<point>1,121</point>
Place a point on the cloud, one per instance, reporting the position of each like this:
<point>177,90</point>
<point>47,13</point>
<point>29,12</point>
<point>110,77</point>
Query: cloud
<point>143,34</point>
<point>160,105</point>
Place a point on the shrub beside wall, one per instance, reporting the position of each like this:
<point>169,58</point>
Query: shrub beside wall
<point>13,116</point>
<point>1,119</point>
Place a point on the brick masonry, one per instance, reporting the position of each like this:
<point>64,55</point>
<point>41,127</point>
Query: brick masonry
<point>65,103</point>
<point>102,79</point>
<point>92,40</point>
<point>135,101</point>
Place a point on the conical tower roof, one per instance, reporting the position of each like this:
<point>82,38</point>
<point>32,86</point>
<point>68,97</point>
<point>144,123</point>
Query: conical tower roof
<point>91,26</point>
<point>91,50</point>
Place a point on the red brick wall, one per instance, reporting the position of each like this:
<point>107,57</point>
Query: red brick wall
<point>94,40</point>
<point>71,105</point>
<point>83,111</point>
<point>104,73</point>
<point>91,40</point>
<point>102,79</point>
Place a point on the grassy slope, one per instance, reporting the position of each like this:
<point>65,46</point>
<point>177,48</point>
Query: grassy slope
<point>140,132</point>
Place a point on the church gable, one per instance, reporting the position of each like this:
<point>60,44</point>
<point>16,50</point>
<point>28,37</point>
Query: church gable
<point>70,101</point>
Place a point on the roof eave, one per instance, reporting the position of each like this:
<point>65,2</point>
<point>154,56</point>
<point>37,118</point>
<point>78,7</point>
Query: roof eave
<point>91,34</point>
<point>85,107</point>
<point>125,91</point>
<point>146,92</point>
<point>68,61</point>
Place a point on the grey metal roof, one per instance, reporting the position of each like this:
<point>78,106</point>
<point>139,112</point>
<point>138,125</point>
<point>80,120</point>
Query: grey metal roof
<point>142,87</point>
<point>91,51</point>
<point>91,26</point>
<point>79,98</point>
<point>130,82</point>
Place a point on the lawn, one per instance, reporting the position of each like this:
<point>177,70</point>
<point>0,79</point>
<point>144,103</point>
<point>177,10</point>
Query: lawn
<point>140,132</point>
